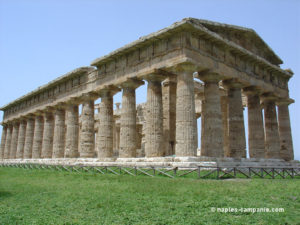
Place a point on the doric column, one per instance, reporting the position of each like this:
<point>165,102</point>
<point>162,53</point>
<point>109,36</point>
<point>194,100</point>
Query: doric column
<point>285,133</point>
<point>72,132</point>
<point>105,126</point>
<point>59,133</point>
<point>169,114</point>
<point>236,127</point>
<point>8,141</point>
<point>212,125</point>
<point>118,137</point>
<point>29,138</point>
<point>186,129</point>
<point>128,119</point>
<point>21,139</point>
<point>272,142</point>
<point>256,134</point>
<point>224,109</point>
<point>47,146</point>
<point>154,118</point>
<point>37,136</point>
<point>14,140</point>
<point>87,132</point>
<point>6,153</point>
<point>3,139</point>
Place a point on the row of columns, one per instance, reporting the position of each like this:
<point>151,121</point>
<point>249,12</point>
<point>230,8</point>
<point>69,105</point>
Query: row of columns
<point>225,135</point>
<point>55,132</point>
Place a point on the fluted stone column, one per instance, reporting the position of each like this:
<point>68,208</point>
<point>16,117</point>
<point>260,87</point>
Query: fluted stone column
<point>105,127</point>
<point>236,127</point>
<point>272,142</point>
<point>256,134</point>
<point>3,139</point>
<point>14,140</point>
<point>285,133</point>
<point>169,114</point>
<point>116,137</point>
<point>212,124</point>
<point>224,109</point>
<point>186,129</point>
<point>21,139</point>
<point>72,133</point>
<point>37,137</point>
<point>59,133</point>
<point>128,119</point>
<point>8,141</point>
<point>29,138</point>
<point>154,118</point>
<point>47,146</point>
<point>87,133</point>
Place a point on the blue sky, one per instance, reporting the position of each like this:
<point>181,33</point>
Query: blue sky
<point>41,40</point>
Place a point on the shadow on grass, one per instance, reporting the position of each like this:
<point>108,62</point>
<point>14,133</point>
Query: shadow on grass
<point>5,194</point>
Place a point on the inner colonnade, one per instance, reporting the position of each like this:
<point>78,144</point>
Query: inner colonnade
<point>235,67</point>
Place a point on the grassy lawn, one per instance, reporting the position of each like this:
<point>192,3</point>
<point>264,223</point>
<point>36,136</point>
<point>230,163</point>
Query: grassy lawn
<point>52,197</point>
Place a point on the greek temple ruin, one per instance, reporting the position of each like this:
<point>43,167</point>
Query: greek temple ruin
<point>193,69</point>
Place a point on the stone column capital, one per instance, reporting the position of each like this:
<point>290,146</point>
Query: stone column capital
<point>232,84</point>
<point>208,77</point>
<point>38,113</point>
<point>159,76</point>
<point>185,67</point>
<point>49,110</point>
<point>154,77</point>
<point>169,80</point>
<point>60,106</point>
<point>4,125</point>
<point>89,96</point>
<point>268,97</point>
<point>284,101</point>
<point>15,122</point>
<point>108,90</point>
<point>251,90</point>
<point>29,116</point>
<point>73,101</point>
<point>23,119</point>
<point>132,83</point>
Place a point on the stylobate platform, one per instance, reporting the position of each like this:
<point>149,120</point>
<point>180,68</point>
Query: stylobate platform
<point>161,162</point>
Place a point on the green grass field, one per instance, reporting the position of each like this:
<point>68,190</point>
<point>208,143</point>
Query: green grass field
<point>52,197</point>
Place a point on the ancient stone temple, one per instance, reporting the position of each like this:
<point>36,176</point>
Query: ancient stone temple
<point>193,69</point>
